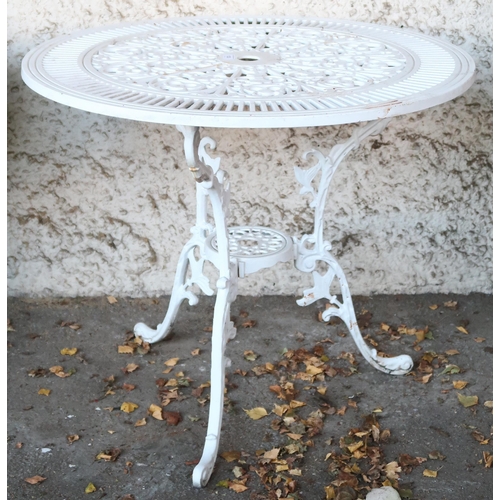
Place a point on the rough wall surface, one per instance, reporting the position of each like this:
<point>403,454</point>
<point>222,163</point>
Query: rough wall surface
<point>99,205</point>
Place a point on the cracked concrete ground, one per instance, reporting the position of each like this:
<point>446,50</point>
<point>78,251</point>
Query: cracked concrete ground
<point>59,436</point>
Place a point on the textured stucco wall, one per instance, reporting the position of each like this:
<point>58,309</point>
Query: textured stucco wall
<point>98,205</point>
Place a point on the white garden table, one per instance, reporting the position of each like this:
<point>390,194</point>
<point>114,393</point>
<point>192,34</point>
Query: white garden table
<point>251,72</point>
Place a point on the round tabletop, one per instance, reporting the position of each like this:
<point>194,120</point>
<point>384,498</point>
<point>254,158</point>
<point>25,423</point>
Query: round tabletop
<point>249,72</point>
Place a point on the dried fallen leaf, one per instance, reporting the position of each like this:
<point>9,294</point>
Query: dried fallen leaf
<point>109,455</point>
<point>451,304</point>
<point>231,456</point>
<point>430,473</point>
<point>172,417</point>
<point>459,384</point>
<point>249,323</point>
<point>111,299</point>
<point>436,455</point>
<point>155,412</point>
<point>479,339</point>
<point>272,454</point>
<point>250,355</point>
<point>452,352</point>
<point>462,329</point>
<point>90,488</point>
<point>433,307</point>
<point>239,488</point>
<point>125,349</point>
<point>72,438</point>
<point>488,404</point>
<point>130,368</point>
<point>35,479</point>
<point>171,362</point>
<point>256,413</point>
<point>488,459</point>
<point>128,387</point>
<point>69,351</point>
<point>195,352</point>
<point>140,422</point>
<point>128,407</point>
<point>44,392</point>
<point>467,401</point>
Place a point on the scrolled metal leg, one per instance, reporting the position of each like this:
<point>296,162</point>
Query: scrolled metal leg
<point>312,248</point>
<point>182,286</point>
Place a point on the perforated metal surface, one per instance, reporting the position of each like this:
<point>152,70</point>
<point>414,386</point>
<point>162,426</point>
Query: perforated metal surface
<point>249,72</point>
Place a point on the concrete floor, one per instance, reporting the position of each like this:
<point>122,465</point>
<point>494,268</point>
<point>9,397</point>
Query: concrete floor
<point>410,427</point>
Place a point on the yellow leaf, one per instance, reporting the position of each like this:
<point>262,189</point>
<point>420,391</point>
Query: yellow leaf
<point>139,423</point>
<point>459,384</point>
<point>296,404</point>
<point>430,473</point>
<point>155,412</point>
<point>90,488</point>
<point>128,407</point>
<point>321,390</point>
<point>67,351</point>
<point>330,493</point>
<point>125,349</point>
<point>131,367</point>
<point>356,446</point>
<point>112,300</point>
<point>433,307</point>
<point>172,361</point>
<point>313,370</point>
<point>280,468</point>
<point>467,401</point>
<point>462,329</point>
<point>256,413</point>
<point>44,392</point>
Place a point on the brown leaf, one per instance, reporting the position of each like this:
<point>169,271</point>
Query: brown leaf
<point>231,456</point>
<point>172,417</point>
<point>487,459</point>
<point>109,455</point>
<point>44,392</point>
<point>72,438</point>
<point>237,487</point>
<point>171,362</point>
<point>35,479</point>
<point>140,422</point>
<point>130,368</point>
<point>459,384</point>
<point>433,307</point>
<point>125,349</point>
<point>249,323</point>
<point>195,352</point>
<point>128,387</point>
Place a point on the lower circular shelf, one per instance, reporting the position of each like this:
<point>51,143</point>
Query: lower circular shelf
<point>255,247</point>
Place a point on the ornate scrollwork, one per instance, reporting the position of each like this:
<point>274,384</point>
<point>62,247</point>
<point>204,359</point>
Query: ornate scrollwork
<point>251,60</point>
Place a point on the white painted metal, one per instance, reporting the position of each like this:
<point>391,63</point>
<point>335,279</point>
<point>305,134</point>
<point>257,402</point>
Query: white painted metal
<point>255,248</point>
<point>259,72</point>
<point>251,72</point>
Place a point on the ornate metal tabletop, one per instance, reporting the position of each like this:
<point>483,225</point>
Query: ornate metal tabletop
<point>255,72</point>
